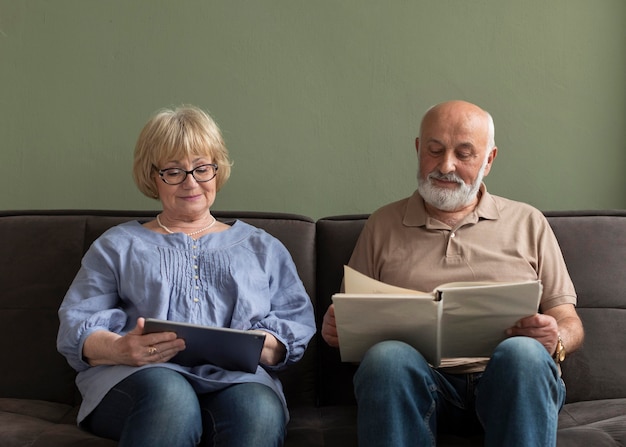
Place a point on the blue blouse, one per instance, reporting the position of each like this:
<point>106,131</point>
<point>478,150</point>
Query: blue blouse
<point>241,278</point>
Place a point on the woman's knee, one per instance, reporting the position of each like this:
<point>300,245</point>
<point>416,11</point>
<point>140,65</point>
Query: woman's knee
<point>263,407</point>
<point>154,406</point>
<point>163,386</point>
<point>243,414</point>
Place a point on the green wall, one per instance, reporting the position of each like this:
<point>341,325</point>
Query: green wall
<point>319,100</point>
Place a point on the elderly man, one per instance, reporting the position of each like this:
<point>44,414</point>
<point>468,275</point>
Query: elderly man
<point>452,229</point>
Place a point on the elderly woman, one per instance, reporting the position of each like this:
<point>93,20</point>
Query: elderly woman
<point>183,266</point>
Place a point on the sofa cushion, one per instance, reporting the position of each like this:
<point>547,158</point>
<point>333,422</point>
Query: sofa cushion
<point>593,423</point>
<point>322,426</point>
<point>25,422</point>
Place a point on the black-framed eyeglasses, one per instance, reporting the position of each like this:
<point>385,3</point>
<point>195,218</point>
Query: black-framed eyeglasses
<point>202,173</point>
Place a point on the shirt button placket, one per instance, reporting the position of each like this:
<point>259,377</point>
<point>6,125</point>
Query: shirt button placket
<point>196,277</point>
<point>452,244</point>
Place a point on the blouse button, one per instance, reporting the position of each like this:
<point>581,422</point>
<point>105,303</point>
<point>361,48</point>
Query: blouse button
<point>195,300</point>
<point>452,234</point>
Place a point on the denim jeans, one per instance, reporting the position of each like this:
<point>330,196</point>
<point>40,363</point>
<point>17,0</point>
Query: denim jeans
<point>402,401</point>
<point>158,407</point>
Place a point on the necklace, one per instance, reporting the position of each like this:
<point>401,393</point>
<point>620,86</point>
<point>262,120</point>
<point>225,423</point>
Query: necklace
<point>201,230</point>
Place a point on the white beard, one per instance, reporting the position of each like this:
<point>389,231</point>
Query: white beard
<point>449,199</point>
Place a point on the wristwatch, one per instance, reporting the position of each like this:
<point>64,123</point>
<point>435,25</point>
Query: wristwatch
<point>559,353</point>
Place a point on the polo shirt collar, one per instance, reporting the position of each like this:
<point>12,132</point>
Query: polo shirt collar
<point>416,215</point>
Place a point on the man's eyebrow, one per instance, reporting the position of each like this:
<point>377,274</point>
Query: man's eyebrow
<point>463,145</point>
<point>466,145</point>
<point>434,140</point>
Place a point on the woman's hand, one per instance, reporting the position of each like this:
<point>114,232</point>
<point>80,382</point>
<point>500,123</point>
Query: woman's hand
<point>329,327</point>
<point>133,349</point>
<point>273,351</point>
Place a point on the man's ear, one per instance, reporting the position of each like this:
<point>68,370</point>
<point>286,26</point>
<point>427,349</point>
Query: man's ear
<point>417,145</point>
<point>490,158</point>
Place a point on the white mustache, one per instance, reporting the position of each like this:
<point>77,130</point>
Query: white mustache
<point>452,177</point>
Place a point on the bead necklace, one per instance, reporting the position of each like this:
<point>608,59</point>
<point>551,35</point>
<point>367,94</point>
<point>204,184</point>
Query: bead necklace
<point>201,230</point>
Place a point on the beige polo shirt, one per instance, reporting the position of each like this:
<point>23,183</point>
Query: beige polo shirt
<point>501,240</point>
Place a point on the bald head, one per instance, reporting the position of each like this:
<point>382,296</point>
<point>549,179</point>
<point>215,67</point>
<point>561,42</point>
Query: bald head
<point>463,116</point>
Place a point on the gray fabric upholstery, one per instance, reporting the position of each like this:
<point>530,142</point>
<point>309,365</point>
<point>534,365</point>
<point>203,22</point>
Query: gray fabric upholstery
<point>41,252</point>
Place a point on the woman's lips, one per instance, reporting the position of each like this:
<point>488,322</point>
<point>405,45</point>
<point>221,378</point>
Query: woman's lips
<point>191,198</point>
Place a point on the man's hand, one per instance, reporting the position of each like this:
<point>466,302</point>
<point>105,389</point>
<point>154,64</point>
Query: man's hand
<point>541,327</point>
<point>329,327</point>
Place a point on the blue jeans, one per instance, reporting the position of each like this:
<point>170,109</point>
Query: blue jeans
<point>402,401</point>
<point>158,407</point>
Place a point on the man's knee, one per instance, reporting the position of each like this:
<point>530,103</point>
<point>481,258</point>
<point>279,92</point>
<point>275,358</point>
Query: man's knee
<point>388,364</point>
<point>392,353</point>
<point>520,352</point>
<point>520,362</point>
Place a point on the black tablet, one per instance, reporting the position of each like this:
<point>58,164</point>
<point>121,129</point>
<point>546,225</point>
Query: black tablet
<point>224,347</point>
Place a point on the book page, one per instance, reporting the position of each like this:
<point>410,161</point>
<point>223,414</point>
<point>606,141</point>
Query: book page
<point>356,282</point>
<point>475,318</point>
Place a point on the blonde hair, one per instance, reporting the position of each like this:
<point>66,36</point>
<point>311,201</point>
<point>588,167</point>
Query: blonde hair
<point>174,134</point>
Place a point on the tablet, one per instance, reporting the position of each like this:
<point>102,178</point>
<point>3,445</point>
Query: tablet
<point>227,348</point>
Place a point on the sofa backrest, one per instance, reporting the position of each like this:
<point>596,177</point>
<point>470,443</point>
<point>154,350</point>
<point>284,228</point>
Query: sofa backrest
<point>594,248</point>
<point>42,250</point>
<point>336,237</point>
<point>41,253</point>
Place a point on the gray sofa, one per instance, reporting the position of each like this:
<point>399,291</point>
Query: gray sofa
<point>41,252</point>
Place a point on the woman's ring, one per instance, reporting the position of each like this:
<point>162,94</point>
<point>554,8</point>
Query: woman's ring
<point>152,350</point>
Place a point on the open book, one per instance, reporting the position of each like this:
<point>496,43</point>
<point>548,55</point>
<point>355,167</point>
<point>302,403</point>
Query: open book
<point>455,320</point>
